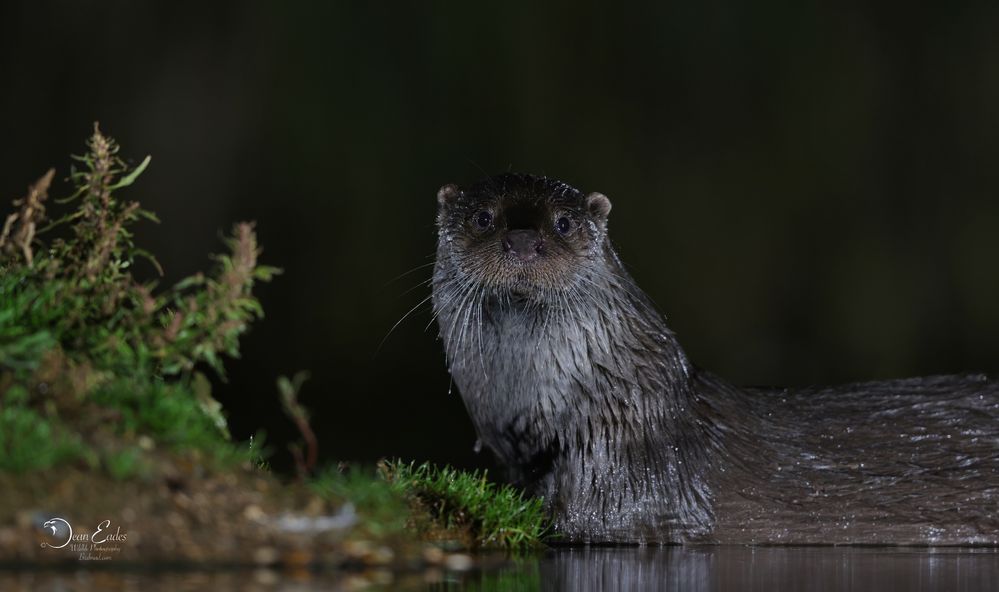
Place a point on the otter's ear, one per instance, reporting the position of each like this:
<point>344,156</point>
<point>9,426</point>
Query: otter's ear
<point>447,195</point>
<point>598,205</point>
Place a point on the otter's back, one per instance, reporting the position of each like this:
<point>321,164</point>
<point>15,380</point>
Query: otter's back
<point>913,461</point>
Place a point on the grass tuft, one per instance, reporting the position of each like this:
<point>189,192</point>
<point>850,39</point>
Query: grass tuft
<point>488,514</point>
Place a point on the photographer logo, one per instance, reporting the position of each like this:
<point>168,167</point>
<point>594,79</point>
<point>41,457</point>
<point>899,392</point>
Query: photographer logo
<point>100,545</point>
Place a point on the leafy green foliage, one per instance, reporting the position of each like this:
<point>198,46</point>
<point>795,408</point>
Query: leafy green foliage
<point>163,411</point>
<point>83,343</point>
<point>494,515</point>
<point>23,341</point>
<point>81,289</point>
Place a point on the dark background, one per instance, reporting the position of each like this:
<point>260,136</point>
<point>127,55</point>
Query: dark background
<point>810,191</point>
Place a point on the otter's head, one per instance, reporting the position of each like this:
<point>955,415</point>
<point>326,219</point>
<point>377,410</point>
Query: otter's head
<point>520,234</point>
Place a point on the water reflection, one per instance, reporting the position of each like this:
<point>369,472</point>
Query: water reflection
<point>690,569</point>
<point>627,569</point>
<point>757,568</point>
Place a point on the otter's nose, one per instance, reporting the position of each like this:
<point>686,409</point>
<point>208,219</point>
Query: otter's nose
<point>523,244</point>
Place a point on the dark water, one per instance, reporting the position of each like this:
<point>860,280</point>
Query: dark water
<point>689,569</point>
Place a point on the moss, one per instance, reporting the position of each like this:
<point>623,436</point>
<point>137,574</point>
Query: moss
<point>466,507</point>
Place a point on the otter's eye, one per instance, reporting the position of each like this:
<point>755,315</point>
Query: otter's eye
<point>483,220</point>
<point>564,225</point>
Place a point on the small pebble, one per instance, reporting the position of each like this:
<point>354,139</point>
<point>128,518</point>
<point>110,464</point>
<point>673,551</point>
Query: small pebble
<point>265,556</point>
<point>458,562</point>
<point>356,549</point>
<point>382,556</point>
<point>253,513</point>
<point>297,559</point>
<point>266,577</point>
<point>433,555</point>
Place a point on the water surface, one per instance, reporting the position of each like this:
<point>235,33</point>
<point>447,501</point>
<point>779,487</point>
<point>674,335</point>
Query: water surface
<point>881,569</point>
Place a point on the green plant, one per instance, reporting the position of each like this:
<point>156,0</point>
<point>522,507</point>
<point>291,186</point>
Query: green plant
<point>493,515</point>
<point>288,389</point>
<point>80,289</point>
<point>83,341</point>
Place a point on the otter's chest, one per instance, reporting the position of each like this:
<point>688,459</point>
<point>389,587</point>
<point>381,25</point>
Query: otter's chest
<point>523,375</point>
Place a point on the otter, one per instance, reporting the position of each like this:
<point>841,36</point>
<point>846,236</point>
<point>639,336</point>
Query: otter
<point>575,383</point>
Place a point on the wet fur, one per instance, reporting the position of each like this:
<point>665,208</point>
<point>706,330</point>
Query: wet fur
<point>573,380</point>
